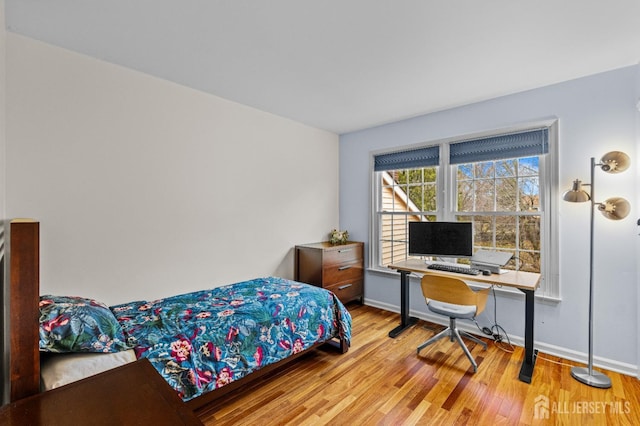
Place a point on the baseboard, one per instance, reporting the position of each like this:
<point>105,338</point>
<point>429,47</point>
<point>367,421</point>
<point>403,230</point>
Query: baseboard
<point>543,348</point>
<point>598,362</point>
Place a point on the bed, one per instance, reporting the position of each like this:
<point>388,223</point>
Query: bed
<point>205,343</point>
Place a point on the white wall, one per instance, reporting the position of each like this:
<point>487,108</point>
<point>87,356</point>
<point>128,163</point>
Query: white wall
<point>145,188</point>
<point>596,114</point>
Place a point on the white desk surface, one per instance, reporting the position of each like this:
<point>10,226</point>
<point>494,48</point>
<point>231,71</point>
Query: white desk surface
<point>516,279</point>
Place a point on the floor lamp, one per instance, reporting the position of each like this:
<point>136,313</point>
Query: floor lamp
<point>614,209</point>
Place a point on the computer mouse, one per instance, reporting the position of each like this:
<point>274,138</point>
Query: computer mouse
<point>486,272</point>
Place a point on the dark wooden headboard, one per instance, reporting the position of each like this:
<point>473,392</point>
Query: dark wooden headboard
<point>21,292</point>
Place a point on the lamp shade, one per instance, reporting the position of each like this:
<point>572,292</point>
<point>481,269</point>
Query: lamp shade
<point>615,162</point>
<point>576,194</point>
<point>615,208</point>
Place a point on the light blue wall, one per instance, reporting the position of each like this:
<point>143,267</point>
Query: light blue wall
<point>636,218</point>
<point>596,114</point>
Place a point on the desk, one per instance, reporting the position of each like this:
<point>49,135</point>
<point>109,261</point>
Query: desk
<point>527,282</point>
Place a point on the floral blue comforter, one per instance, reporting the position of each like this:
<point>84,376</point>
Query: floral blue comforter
<point>203,340</point>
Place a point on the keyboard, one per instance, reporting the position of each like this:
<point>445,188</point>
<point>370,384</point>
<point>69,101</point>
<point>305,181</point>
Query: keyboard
<point>454,268</point>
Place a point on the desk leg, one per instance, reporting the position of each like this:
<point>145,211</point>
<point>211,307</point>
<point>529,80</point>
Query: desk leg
<point>530,354</point>
<point>405,320</point>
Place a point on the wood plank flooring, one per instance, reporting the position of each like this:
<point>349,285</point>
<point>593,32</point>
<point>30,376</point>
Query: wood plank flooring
<point>382,381</point>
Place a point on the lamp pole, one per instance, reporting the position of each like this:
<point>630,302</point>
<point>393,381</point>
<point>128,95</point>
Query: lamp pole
<point>612,208</point>
<point>588,375</point>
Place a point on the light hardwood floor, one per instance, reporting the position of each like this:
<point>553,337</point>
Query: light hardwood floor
<point>381,381</point>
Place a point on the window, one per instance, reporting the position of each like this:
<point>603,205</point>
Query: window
<point>503,183</point>
<point>407,195</point>
<point>501,199</point>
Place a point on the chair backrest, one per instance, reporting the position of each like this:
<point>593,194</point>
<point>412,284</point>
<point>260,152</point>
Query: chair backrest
<point>454,291</point>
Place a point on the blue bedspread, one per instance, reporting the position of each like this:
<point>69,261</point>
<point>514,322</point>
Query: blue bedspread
<point>203,340</point>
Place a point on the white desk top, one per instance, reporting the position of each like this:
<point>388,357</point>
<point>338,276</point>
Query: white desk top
<point>516,279</point>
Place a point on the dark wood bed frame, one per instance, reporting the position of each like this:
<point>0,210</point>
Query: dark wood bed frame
<point>22,260</point>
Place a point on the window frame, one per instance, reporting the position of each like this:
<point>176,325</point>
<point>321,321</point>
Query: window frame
<point>447,193</point>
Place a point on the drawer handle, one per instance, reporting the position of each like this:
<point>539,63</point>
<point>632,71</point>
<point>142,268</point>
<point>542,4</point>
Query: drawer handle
<point>343,268</point>
<point>344,250</point>
<point>342,287</point>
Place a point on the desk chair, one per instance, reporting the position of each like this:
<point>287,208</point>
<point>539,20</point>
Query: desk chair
<point>452,297</point>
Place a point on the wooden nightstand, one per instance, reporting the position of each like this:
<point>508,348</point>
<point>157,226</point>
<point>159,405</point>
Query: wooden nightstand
<point>339,268</point>
<point>134,394</point>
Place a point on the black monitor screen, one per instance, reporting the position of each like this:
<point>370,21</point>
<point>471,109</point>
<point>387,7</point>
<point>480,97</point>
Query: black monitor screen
<point>450,239</point>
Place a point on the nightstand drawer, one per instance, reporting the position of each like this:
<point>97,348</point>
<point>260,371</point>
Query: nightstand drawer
<point>347,290</point>
<point>344,254</point>
<point>342,272</point>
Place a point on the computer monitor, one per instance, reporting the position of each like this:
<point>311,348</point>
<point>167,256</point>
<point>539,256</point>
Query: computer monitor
<point>441,239</point>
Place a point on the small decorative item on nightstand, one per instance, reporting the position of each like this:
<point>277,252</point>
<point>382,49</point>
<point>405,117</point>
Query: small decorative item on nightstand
<point>338,237</point>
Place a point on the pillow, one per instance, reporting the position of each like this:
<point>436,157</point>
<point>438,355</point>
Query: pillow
<point>76,324</point>
<point>60,369</point>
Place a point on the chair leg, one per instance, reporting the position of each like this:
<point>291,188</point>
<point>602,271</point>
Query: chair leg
<point>465,349</point>
<point>444,333</point>
<point>474,338</point>
<point>453,333</point>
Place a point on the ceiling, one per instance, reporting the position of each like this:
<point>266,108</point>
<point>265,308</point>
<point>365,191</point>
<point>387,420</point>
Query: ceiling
<point>344,65</point>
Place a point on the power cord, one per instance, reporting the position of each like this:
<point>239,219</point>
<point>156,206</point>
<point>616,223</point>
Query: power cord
<point>496,331</point>
<point>517,259</point>
<point>565,364</point>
